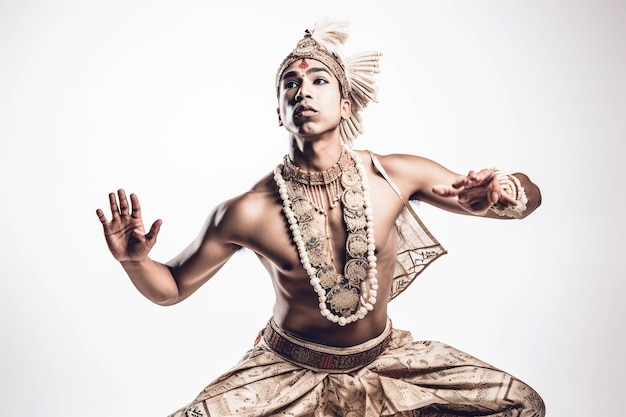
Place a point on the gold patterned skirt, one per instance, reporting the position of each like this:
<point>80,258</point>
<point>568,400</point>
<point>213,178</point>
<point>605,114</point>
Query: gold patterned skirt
<point>395,376</point>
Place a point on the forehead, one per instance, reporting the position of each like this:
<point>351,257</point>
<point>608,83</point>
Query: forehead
<point>304,64</point>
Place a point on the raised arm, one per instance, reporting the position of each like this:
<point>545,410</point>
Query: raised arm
<point>164,284</point>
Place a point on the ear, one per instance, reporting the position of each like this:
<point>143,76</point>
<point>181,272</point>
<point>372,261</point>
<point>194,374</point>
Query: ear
<point>280,122</point>
<point>346,108</point>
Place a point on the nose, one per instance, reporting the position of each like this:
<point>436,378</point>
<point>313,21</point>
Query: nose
<point>303,92</point>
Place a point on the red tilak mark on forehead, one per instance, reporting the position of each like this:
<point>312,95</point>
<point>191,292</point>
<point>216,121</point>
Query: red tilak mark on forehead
<point>303,64</point>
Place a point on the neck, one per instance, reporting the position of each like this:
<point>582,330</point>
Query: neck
<point>315,156</point>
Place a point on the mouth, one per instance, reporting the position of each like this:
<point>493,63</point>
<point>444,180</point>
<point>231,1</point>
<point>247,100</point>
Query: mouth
<point>304,111</point>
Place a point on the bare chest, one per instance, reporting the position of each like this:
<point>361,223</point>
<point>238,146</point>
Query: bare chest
<point>327,224</point>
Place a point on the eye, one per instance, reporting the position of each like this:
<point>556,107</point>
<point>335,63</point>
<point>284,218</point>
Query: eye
<point>291,84</point>
<point>320,81</point>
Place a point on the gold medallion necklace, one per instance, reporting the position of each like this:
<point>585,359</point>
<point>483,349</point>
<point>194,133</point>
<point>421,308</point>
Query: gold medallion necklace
<point>343,298</point>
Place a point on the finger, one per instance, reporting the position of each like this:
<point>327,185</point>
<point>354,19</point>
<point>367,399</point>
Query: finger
<point>154,231</point>
<point>136,207</point>
<point>115,211</point>
<point>482,175</point>
<point>473,176</point>
<point>123,202</point>
<point>488,173</point>
<point>102,217</point>
<point>489,176</point>
<point>508,199</point>
<point>494,197</point>
<point>445,190</point>
<point>460,182</point>
<point>476,179</point>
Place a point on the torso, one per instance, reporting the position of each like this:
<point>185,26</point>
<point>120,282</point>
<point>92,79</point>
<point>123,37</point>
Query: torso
<point>296,307</point>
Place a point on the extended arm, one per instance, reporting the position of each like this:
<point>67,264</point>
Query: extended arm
<point>164,284</point>
<point>475,193</point>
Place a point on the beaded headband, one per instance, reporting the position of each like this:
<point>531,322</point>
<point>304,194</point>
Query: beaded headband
<point>355,73</point>
<point>309,48</point>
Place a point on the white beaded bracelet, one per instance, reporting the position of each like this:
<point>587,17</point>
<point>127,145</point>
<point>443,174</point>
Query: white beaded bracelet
<point>512,186</point>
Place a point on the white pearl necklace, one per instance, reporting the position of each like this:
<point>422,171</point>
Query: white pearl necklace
<point>367,296</point>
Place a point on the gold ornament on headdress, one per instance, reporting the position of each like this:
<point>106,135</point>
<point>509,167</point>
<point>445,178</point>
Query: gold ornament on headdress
<point>356,73</point>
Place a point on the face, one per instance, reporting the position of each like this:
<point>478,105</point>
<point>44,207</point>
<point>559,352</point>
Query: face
<point>309,99</point>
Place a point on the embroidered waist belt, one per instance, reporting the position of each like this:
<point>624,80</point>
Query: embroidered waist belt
<point>324,358</point>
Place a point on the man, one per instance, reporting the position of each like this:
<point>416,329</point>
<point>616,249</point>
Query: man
<point>330,225</point>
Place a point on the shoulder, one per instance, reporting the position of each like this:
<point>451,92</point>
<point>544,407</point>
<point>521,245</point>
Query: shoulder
<point>245,212</point>
<point>413,174</point>
<point>251,202</point>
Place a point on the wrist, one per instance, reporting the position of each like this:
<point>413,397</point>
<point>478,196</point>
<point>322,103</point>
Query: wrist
<point>135,263</point>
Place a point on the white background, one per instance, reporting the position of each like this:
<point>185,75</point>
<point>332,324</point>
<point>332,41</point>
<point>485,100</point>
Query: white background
<point>175,101</point>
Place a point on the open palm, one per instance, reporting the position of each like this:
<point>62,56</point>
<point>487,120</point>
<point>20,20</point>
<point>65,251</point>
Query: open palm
<point>125,234</point>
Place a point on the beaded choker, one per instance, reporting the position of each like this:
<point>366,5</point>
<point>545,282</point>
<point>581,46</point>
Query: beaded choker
<point>292,172</point>
<point>343,298</point>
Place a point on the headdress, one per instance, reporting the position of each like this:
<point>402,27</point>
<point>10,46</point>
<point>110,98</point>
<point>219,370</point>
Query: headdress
<point>355,73</point>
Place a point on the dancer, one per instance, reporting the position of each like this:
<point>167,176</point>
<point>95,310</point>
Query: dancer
<point>336,231</point>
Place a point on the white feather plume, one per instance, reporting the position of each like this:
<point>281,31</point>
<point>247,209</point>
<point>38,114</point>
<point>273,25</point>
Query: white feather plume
<point>360,71</point>
<point>331,34</point>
